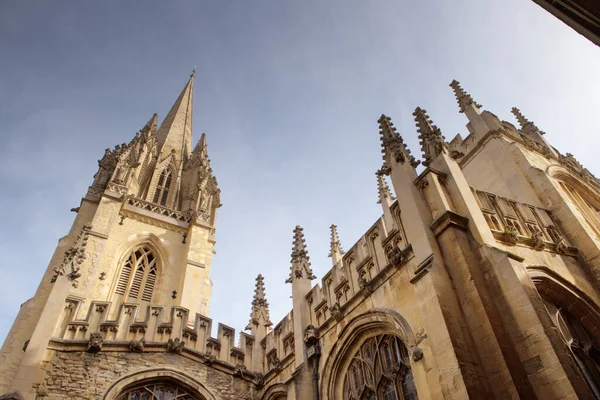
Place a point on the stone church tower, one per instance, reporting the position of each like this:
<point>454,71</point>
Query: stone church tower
<point>480,280</point>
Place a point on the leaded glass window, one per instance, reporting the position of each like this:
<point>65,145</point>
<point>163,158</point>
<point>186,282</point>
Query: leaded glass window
<point>380,370</point>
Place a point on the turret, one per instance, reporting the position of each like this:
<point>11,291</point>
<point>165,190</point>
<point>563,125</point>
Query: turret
<point>532,135</point>
<point>430,137</point>
<point>471,109</point>
<point>300,277</point>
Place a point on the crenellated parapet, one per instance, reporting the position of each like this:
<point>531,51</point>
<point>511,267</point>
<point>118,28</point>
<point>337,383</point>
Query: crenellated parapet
<point>147,328</point>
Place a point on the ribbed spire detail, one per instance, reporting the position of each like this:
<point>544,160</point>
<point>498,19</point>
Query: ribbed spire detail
<point>393,146</point>
<point>463,98</point>
<point>383,189</point>
<point>175,133</point>
<point>335,246</point>
<point>430,137</point>
<point>527,126</point>
<point>260,305</point>
<point>300,267</point>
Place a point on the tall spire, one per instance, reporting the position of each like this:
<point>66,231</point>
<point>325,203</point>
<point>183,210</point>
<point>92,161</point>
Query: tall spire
<point>464,99</point>
<point>300,267</point>
<point>393,146</point>
<point>175,133</point>
<point>335,251</point>
<point>526,125</point>
<point>260,305</point>
<point>385,195</point>
<point>430,137</point>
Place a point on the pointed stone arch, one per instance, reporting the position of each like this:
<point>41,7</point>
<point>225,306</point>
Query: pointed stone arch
<point>277,391</point>
<point>175,376</point>
<point>159,251</point>
<point>165,176</point>
<point>551,286</point>
<point>373,322</point>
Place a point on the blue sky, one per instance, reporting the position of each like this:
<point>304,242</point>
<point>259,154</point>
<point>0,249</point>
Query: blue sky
<point>288,93</point>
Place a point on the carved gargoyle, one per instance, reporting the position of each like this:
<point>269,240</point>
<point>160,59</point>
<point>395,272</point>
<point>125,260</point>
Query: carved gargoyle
<point>209,359</point>
<point>395,256</point>
<point>310,335</point>
<point>95,342</point>
<point>175,346</point>
<point>137,346</point>
<point>537,241</point>
<point>239,370</point>
<point>336,312</point>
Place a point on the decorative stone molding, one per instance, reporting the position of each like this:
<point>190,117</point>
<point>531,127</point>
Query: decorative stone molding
<point>74,258</point>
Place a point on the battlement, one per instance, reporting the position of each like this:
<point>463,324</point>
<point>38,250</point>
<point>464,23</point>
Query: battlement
<point>159,327</point>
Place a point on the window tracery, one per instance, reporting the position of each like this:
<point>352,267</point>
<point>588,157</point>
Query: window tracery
<point>161,390</point>
<point>380,370</point>
<point>584,348</point>
<point>138,275</point>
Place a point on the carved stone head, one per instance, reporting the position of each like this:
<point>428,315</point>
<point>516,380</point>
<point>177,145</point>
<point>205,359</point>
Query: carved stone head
<point>95,342</point>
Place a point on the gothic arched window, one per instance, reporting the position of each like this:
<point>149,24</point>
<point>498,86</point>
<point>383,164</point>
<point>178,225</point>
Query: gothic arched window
<point>157,390</point>
<point>585,348</point>
<point>138,275</point>
<point>380,370</point>
<point>161,194</point>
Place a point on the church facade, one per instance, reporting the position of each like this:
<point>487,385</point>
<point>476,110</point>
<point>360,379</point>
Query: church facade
<point>480,280</point>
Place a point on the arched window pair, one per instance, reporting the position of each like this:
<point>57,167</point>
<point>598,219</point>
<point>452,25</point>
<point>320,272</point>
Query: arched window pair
<point>161,194</point>
<point>138,275</point>
<point>380,370</point>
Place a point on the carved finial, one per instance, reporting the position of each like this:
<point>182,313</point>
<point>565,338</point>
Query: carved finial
<point>383,189</point>
<point>430,137</point>
<point>260,305</point>
<point>300,260</point>
<point>393,146</point>
<point>464,99</point>
<point>336,246</point>
<point>526,125</point>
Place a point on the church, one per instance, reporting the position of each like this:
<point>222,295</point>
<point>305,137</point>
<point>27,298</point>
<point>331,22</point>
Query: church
<point>480,280</point>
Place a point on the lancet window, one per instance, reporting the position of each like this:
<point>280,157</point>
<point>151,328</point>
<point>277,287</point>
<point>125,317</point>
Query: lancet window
<point>161,194</point>
<point>157,391</point>
<point>380,370</point>
<point>138,275</point>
